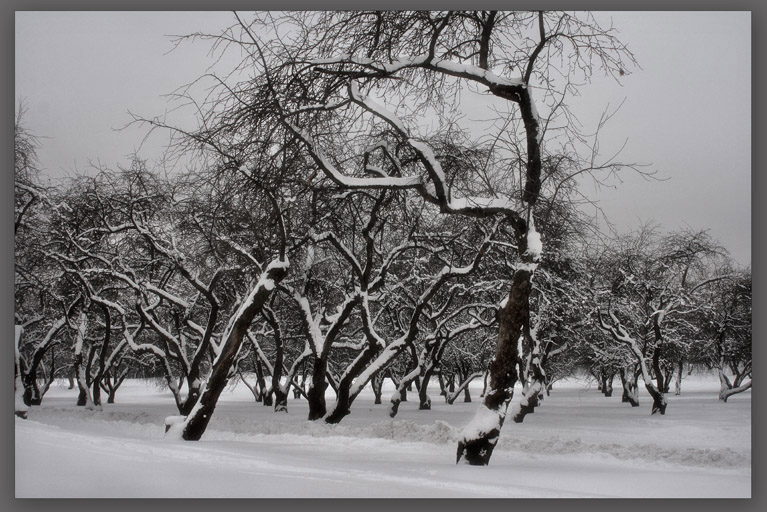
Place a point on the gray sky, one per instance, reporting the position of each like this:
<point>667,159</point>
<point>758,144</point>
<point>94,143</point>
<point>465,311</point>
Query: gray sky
<point>687,110</point>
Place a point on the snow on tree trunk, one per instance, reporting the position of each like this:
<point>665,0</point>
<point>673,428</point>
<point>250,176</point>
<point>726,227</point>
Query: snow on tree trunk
<point>21,409</point>
<point>452,397</point>
<point>734,391</point>
<point>630,389</point>
<point>84,398</point>
<point>193,426</point>
<point>280,400</point>
<point>479,438</point>
<point>678,383</point>
<point>727,388</point>
<point>400,393</point>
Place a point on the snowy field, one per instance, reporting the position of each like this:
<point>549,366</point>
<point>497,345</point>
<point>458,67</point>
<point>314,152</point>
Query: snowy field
<point>577,444</point>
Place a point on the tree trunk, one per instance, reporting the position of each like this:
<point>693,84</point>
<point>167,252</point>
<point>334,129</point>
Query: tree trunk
<point>481,435</point>
<point>678,384</point>
<point>32,394</point>
<point>734,391</point>
<point>21,409</point>
<point>630,390</point>
<point>193,426</point>
<point>658,400</point>
<point>424,400</point>
<point>607,384</point>
<point>377,385</point>
<point>344,400</point>
<point>451,397</point>
<point>316,393</point>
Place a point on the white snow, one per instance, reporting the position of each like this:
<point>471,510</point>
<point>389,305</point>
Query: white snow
<point>534,244</point>
<point>577,444</point>
<point>483,422</point>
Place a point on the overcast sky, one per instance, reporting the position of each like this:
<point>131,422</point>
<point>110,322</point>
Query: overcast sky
<point>687,111</point>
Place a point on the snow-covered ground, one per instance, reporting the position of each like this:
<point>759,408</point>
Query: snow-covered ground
<point>577,444</point>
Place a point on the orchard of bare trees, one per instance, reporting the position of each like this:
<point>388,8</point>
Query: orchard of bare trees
<point>371,196</point>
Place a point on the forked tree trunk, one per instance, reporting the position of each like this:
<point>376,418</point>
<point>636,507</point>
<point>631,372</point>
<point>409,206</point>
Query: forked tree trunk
<point>344,399</point>
<point>280,400</point>
<point>727,388</point>
<point>734,391</point>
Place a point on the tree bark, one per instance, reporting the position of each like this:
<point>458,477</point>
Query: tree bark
<point>194,425</point>
<point>630,390</point>
<point>316,393</point>
<point>477,445</point>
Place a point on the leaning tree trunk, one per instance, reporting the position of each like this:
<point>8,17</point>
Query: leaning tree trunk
<point>727,388</point>
<point>96,384</point>
<point>345,397</point>
<point>464,386</point>
<point>734,391</point>
<point>192,427</point>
